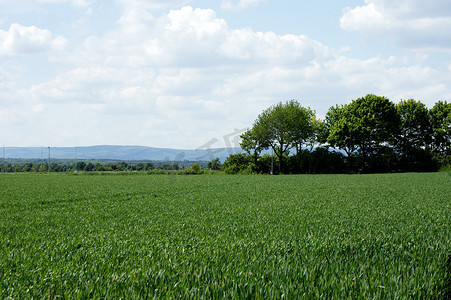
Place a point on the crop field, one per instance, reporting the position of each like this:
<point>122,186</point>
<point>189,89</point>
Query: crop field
<point>218,236</point>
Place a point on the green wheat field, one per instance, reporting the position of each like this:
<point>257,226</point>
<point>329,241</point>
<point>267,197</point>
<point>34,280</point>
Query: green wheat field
<point>217,236</point>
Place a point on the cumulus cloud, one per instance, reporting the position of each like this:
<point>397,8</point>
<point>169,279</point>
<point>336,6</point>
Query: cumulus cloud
<point>415,23</point>
<point>240,4</point>
<point>28,39</point>
<point>182,77</point>
<point>189,37</point>
<point>191,52</point>
<point>268,47</point>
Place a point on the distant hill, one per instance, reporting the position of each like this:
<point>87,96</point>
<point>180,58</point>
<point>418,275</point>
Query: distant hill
<point>119,153</point>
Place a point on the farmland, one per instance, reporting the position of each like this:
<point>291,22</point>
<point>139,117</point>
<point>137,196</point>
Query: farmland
<point>219,236</point>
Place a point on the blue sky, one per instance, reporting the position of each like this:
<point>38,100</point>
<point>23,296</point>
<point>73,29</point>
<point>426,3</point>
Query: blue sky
<point>187,74</point>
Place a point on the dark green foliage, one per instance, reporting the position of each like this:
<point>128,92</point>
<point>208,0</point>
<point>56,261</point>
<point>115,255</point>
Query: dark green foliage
<point>80,166</point>
<point>265,162</point>
<point>281,127</point>
<point>214,237</point>
<point>385,160</point>
<point>89,167</point>
<point>440,116</point>
<point>214,165</point>
<point>194,169</point>
<point>67,165</point>
<point>319,161</point>
<point>333,115</point>
<point>170,166</point>
<point>376,135</point>
<point>415,130</point>
<point>251,144</point>
<point>239,163</point>
<point>366,124</point>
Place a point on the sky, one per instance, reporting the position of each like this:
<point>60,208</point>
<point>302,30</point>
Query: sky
<point>192,74</point>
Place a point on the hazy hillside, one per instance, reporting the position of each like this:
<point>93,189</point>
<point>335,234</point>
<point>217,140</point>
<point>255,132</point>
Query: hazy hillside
<point>119,153</point>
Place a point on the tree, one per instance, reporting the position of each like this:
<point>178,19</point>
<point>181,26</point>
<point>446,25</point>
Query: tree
<point>27,167</point>
<point>80,166</point>
<point>148,166</point>
<point>306,127</point>
<point>415,136</point>
<point>122,166</point>
<point>214,164</point>
<point>283,126</point>
<point>99,167</point>
<point>416,129</point>
<point>238,163</point>
<point>440,115</point>
<point>340,130</point>
<point>89,167</point>
<point>333,115</point>
<point>366,124</point>
<point>194,169</point>
<point>251,144</point>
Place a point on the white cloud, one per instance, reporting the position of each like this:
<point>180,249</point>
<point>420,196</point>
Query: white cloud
<point>182,77</point>
<point>28,39</point>
<point>268,47</point>
<point>190,37</point>
<point>413,23</point>
<point>202,23</point>
<point>184,37</point>
<point>241,4</point>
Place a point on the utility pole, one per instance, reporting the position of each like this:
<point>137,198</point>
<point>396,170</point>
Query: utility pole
<point>49,160</point>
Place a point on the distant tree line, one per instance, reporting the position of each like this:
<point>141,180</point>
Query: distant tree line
<point>21,165</point>
<point>370,134</point>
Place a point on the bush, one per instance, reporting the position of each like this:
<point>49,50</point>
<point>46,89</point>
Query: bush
<point>443,162</point>
<point>214,165</point>
<point>194,169</point>
<point>238,163</point>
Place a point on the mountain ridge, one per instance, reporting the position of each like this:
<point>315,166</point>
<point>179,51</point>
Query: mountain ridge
<point>119,152</point>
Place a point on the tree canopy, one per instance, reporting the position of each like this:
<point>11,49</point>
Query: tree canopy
<point>440,116</point>
<point>415,130</point>
<point>281,127</point>
<point>365,124</point>
<point>375,134</point>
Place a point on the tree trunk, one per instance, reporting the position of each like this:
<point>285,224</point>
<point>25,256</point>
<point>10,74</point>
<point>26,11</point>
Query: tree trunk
<point>279,154</point>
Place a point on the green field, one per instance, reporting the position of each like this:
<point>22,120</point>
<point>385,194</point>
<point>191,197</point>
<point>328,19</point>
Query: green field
<point>218,236</point>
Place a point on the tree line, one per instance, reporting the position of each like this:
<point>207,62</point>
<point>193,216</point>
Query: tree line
<point>370,134</point>
<point>42,166</point>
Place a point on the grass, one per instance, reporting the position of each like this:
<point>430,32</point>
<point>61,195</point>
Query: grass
<point>147,236</point>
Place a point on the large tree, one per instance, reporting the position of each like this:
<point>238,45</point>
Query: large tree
<point>416,129</point>
<point>440,115</point>
<point>338,129</point>
<point>283,126</point>
<point>366,124</point>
